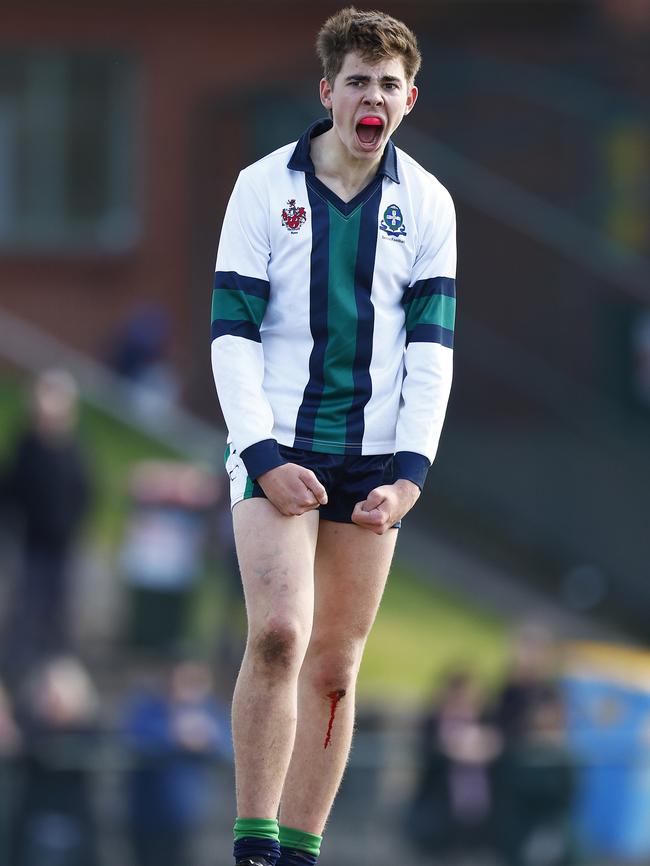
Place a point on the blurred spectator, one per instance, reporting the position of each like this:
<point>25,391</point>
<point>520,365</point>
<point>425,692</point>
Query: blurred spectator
<point>140,353</point>
<point>533,776</point>
<point>531,677</point>
<point>58,711</point>
<point>9,732</point>
<point>175,734</point>
<point>46,488</point>
<point>452,799</point>
<point>163,553</point>
<point>9,744</point>
<point>534,790</point>
<point>640,357</point>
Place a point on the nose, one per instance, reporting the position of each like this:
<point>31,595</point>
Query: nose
<point>373,95</point>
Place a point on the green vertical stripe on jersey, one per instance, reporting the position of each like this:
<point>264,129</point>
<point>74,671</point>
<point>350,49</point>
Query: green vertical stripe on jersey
<point>433,310</point>
<point>342,319</point>
<point>236,306</point>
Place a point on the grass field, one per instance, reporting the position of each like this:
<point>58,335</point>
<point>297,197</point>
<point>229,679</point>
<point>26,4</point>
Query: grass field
<point>421,632</point>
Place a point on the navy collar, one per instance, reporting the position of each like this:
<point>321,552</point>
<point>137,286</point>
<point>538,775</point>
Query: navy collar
<point>301,159</point>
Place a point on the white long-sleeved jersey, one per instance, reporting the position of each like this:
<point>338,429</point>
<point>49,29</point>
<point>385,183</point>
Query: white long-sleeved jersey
<point>333,322</point>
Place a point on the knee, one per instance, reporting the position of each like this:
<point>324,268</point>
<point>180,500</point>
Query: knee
<point>334,667</point>
<point>277,647</point>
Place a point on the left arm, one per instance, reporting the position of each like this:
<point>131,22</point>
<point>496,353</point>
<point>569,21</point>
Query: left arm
<point>430,308</point>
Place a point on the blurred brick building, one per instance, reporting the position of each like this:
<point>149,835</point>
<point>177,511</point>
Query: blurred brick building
<point>117,152</point>
<point>123,126</point>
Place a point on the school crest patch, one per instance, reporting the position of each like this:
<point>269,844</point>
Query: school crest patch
<point>293,216</point>
<point>393,222</point>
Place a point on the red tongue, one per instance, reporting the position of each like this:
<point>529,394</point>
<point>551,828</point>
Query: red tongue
<point>371,121</point>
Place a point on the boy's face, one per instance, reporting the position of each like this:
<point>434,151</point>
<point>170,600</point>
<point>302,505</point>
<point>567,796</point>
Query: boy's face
<point>368,102</point>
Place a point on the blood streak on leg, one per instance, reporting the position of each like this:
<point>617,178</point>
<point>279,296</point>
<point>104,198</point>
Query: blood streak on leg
<point>334,697</point>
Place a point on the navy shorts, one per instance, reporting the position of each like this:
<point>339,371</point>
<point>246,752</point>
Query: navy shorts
<point>347,479</point>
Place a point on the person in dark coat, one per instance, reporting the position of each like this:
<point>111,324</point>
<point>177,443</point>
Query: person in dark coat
<point>54,822</point>
<point>175,733</point>
<point>45,488</point>
<point>451,804</point>
<point>533,777</point>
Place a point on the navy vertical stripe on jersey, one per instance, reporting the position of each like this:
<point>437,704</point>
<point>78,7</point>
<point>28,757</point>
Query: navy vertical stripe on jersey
<point>319,276</point>
<point>366,319</point>
<point>341,320</point>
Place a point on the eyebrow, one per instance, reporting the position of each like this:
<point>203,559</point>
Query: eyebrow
<point>366,78</point>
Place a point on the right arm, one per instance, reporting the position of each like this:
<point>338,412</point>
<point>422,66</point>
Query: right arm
<point>239,300</point>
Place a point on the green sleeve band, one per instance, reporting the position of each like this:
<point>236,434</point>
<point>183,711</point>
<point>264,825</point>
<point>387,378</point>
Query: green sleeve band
<point>298,840</point>
<point>261,828</point>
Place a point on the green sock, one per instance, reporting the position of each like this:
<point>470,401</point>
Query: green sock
<point>262,828</point>
<point>298,840</point>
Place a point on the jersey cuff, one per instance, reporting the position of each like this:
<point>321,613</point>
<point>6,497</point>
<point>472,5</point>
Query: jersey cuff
<point>411,466</point>
<point>261,457</point>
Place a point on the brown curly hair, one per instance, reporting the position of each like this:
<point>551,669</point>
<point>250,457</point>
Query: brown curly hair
<point>374,35</point>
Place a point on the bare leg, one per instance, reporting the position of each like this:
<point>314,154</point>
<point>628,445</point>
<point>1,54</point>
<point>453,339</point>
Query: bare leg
<point>276,556</point>
<point>351,569</point>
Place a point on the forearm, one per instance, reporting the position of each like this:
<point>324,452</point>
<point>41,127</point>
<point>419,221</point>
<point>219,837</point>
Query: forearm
<point>238,368</point>
<point>425,395</point>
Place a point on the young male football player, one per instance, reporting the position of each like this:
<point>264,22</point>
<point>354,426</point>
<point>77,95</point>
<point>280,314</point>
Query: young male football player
<point>332,327</point>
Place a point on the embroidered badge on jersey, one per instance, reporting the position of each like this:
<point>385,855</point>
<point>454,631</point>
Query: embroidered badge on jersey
<point>393,222</point>
<point>293,216</point>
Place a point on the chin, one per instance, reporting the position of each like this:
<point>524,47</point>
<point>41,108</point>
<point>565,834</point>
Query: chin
<point>369,154</point>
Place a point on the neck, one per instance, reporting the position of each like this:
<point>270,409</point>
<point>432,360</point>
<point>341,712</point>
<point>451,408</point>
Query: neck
<point>337,169</point>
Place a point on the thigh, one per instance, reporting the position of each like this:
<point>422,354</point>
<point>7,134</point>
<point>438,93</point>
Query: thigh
<point>352,566</point>
<point>276,560</point>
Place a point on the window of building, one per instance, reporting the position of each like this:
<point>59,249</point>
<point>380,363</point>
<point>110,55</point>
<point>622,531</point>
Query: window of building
<point>67,151</point>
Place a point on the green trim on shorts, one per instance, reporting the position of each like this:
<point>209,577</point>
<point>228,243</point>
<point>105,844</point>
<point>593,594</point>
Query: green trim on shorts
<point>248,490</point>
<point>226,454</point>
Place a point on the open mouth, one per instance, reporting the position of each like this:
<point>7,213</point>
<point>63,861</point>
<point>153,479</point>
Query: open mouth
<point>369,131</point>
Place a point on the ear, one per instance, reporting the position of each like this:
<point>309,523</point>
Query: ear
<point>325,90</point>
<point>411,99</point>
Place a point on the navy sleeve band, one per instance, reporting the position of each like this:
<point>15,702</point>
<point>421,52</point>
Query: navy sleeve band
<point>261,457</point>
<point>411,466</point>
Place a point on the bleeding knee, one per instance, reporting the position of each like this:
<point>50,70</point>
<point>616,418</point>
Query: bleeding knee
<point>336,672</point>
